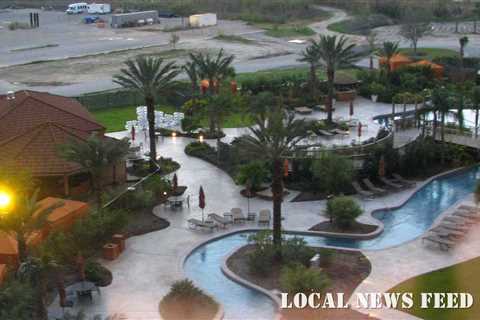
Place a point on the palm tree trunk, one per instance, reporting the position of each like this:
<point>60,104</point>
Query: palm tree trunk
<point>331,92</point>
<point>476,122</point>
<point>22,247</point>
<point>434,126</point>
<point>150,102</point>
<point>313,79</point>
<point>41,310</point>
<point>443,137</point>
<point>98,189</point>
<point>277,191</point>
<point>371,62</point>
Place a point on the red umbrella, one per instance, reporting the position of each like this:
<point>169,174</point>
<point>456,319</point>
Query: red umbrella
<point>81,267</point>
<point>133,133</point>
<point>285,167</point>
<point>359,129</point>
<point>174,182</point>
<point>201,200</point>
<point>351,108</point>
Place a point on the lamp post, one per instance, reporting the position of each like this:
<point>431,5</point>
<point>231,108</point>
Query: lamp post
<point>5,202</point>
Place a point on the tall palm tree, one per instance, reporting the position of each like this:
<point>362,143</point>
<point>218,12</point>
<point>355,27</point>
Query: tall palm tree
<point>372,47</point>
<point>213,68</point>
<point>442,101</point>
<point>25,218</point>
<point>190,69</point>
<point>311,56</point>
<point>388,51</point>
<point>274,137</point>
<point>334,53</point>
<point>95,155</point>
<point>148,76</point>
<point>475,98</point>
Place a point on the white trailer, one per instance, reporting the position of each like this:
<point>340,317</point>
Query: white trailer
<point>99,8</point>
<point>203,20</point>
<point>77,8</point>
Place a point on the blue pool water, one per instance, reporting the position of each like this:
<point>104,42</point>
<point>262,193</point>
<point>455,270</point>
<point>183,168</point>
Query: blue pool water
<point>403,224</point>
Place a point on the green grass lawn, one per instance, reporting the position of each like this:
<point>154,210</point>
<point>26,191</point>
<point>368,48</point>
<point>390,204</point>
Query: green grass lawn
<point>430,53</point>
<point>114,119</point>
<point>287,30</point>
<point>234,38</point>
<point>462,277</point>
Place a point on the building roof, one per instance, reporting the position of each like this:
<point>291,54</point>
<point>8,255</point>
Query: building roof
<point>31,108</point>
<point>37,149</point>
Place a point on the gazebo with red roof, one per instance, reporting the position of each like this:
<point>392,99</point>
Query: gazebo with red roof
<point>32,127</point>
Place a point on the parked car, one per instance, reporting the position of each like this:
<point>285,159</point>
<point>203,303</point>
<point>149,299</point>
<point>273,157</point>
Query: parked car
<point>77,8</point>
<point>91,19</point>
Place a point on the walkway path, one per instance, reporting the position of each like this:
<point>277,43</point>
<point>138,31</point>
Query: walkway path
<point>151,263</point>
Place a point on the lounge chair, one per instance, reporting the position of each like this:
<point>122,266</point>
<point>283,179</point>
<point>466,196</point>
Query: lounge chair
<point>238,215</point>
<point>264,217</point>
<point>195,224</point>
<point>456,220</point>
<point>468,208</point>
<point>453,226</point>
<point>361,191</point>
<point>443,243</point>
<point>371,187</point>
<point>467,215</point>
<point>221,221</point>
<point>391,184</point>
<point>326,133</point>
<point>439,230</point>
<point>403,181</point>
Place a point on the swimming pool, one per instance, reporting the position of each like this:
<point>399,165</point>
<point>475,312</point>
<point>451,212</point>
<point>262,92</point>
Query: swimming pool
<point>402,224</point>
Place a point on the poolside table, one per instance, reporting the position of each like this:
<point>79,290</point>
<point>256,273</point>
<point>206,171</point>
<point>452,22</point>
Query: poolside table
<point>251,216</point>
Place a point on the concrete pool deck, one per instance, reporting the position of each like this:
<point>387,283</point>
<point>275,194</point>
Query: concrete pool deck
<point>143,274</point>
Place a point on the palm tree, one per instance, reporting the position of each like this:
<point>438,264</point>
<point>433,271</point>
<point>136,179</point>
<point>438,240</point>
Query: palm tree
<point>442,101</point>
<point>335,53</point>
<point>190,69</point>
<point>463,41</point>
<point>25,218</point>
<point>311,56</point>
<point>372,46</point>
<point>213,68</point>
<point>148,76</point>
<point>274,137</point>
<point>95,155</point>
<point>35,271</point>
<point>388,51</point>
<point>475,98</point>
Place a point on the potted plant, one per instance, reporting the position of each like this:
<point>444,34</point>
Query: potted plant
<point>375,89</point>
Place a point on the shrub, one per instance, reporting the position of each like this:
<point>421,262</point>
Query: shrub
<point>343,211</point>
<point>186,301</point>
<point>157,185</point>
<point>297,278</point>
<point>252,174</point>
<point>18,25</point>
<point>376,88</point>
<point>295,249</point>
<point>17,300</point>
<point>97,273</point>
<point>332,173</point>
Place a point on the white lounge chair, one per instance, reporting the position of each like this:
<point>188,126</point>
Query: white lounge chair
<point>237,215</point>
<point>391,184</point>
<point>440,231</point>
<point>220,220</point>
<point>401,180</point>
<point>456,220</point>
<point>361,191</point>
<point>264,217</point>
<point>371,187</point>
<point>443,243</point>
<point>195,224</point>
<point>453,226</point>
<point>467,215</point>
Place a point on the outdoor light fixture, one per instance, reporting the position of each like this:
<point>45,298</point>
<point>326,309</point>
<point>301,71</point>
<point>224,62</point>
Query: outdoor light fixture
<point>200,138</point>
<point>174,134</point>
<point>5,200</point>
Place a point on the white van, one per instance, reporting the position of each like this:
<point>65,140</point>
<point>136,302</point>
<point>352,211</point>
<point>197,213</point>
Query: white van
<point>99,8</point>
<point>76,8</point>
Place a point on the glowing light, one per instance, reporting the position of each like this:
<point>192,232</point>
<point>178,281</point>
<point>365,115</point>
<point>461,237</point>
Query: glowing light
<point>174,134</point>
<point>200,138</point>
<point>5,199</point>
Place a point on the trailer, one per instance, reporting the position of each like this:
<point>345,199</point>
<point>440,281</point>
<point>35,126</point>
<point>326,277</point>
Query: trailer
<point>99,8</point>
<point>203,20</point>
<point>134,19</point>
<point>77,8</point>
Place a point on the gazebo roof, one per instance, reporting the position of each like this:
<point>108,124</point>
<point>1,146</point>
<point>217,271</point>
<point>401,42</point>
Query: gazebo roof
<point>37,149</point>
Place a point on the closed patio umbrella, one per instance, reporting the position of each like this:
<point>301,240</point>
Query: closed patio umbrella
<point>285,167</point>
<point>359,129</point>
<point>351,108</point>
<point>174,182</point>
<point>133,133</point>
<point>201,200</point>
<point>61,291</point>
<point>381,167</point>
<point>81,267</point>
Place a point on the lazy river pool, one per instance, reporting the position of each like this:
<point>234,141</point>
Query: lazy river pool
<point>402,224</point>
